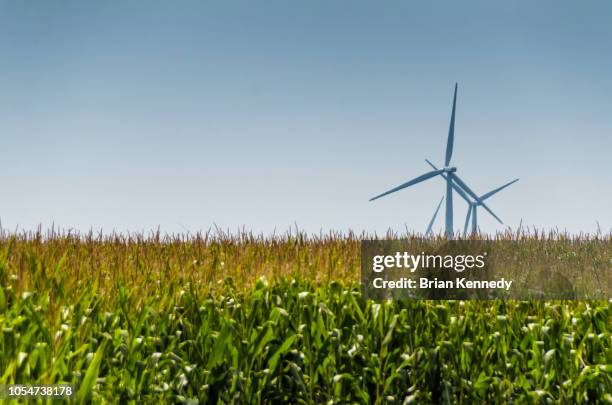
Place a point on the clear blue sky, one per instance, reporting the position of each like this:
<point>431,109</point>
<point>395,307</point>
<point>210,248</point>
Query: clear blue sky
<point>130,115</point>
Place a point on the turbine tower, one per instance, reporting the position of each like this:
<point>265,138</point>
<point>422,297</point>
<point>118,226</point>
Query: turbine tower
<point>453,182</point>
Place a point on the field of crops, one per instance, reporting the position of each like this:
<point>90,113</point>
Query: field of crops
<point>242,319</point>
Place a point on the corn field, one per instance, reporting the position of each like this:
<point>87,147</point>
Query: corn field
<point>247,319</point>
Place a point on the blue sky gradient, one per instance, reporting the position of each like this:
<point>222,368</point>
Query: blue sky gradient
<point>129,115</point>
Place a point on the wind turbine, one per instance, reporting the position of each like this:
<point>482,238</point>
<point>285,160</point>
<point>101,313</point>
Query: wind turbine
<point>475,201</point>
<point>448,173</point>
<point>473,207</point>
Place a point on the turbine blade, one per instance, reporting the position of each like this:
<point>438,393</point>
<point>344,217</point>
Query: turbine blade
<point>475,197</point>
<point>465,187</point>
<point>434,217</point>
<point>490,193</point>
<point>467,220</point>
<point>451,131</point>
<point>410,183</point>
<point>431,164</point>
<point>491,212</point>
<point>455,187</point>
<point>461,192</point>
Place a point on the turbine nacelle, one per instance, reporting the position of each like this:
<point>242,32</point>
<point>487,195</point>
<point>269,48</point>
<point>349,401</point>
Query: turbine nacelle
<point>450,169</point>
